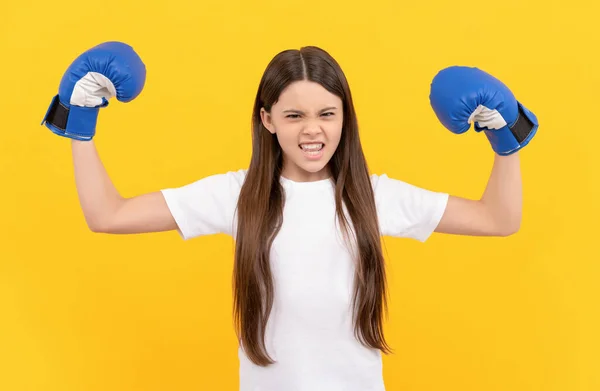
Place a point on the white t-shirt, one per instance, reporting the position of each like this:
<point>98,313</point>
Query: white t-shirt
<point>309,333</point>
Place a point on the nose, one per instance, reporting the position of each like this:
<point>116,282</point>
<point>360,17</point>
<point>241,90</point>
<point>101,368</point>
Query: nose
<point>312,127</point>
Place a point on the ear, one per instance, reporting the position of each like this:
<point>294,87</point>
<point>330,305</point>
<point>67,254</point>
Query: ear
<point>267,120</point>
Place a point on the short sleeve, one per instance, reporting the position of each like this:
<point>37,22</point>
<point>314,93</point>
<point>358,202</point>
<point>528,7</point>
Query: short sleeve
<point>206,206</point>
<point>405,210</point>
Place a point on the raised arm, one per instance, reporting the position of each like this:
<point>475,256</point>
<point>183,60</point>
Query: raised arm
<point>108,70</point>
<point>460,96</point>
<point>497,213</point>
<point>105,210</point>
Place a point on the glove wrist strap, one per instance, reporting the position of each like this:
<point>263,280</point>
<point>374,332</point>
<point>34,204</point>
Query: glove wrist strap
<point>71,121</point>
<point>523,126</point>
<point>510,139</point>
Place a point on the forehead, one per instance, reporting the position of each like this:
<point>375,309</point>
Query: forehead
<point>306,95</point>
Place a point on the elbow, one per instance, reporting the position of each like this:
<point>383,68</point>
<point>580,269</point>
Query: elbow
<point>97,226</point>
<point>96,229</point>
<point>506,224</point>
<point>507,233</point>
<point>509,229</point>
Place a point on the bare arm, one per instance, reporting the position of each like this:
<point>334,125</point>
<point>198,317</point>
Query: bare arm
<point>105,210</point>
<point>497,213</point>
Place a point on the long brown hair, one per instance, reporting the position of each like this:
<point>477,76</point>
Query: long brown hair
<point>261,201</point>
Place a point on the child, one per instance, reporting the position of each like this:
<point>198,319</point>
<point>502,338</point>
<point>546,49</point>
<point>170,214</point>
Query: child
<point>307,217</point>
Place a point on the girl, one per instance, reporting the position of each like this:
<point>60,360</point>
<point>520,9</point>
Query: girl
<point>307,218</point>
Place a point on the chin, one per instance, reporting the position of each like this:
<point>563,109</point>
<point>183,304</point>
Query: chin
<point>303,164</point>
<point>308,167</point>
<point>312,167</point>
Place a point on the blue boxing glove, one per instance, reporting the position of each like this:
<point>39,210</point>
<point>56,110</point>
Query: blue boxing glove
<point>99,74</point>
<point>462,95</point>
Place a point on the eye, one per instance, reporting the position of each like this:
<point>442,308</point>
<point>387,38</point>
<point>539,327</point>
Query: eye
<point>325,114</point>
<point>292,116</point>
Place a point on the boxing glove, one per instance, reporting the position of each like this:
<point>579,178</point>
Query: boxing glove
<point>461,95</point>
<point>111,69</point>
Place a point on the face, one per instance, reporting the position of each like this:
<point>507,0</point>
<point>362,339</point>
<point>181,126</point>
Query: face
<point>307,120</point>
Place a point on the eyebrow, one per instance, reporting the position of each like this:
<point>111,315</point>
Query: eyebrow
<point>301,112</point>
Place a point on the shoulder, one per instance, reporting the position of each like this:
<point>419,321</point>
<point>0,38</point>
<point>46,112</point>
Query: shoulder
<point>399,192</point>
<point>235,179</point>
<point>230,180</point>
<point>383,183</point>
<point>206,206</point>
<point>405,209</point>
<point>239,175</point>
<point>214,185</point>
<point>233,176</point>
<point>375,178</point>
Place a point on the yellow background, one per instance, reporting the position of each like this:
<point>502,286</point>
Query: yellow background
<point>85,311</point>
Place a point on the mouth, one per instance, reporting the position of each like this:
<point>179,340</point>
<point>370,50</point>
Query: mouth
<point>311,147</point>
<point>312,151</point>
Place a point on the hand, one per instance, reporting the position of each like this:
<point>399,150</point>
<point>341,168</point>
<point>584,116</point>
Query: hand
<point>101,73</point>
<point>462,95</point>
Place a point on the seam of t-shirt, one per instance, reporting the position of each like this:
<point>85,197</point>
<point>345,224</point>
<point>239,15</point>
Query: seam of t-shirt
<point>177,212</point>
<point>435,217</point>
